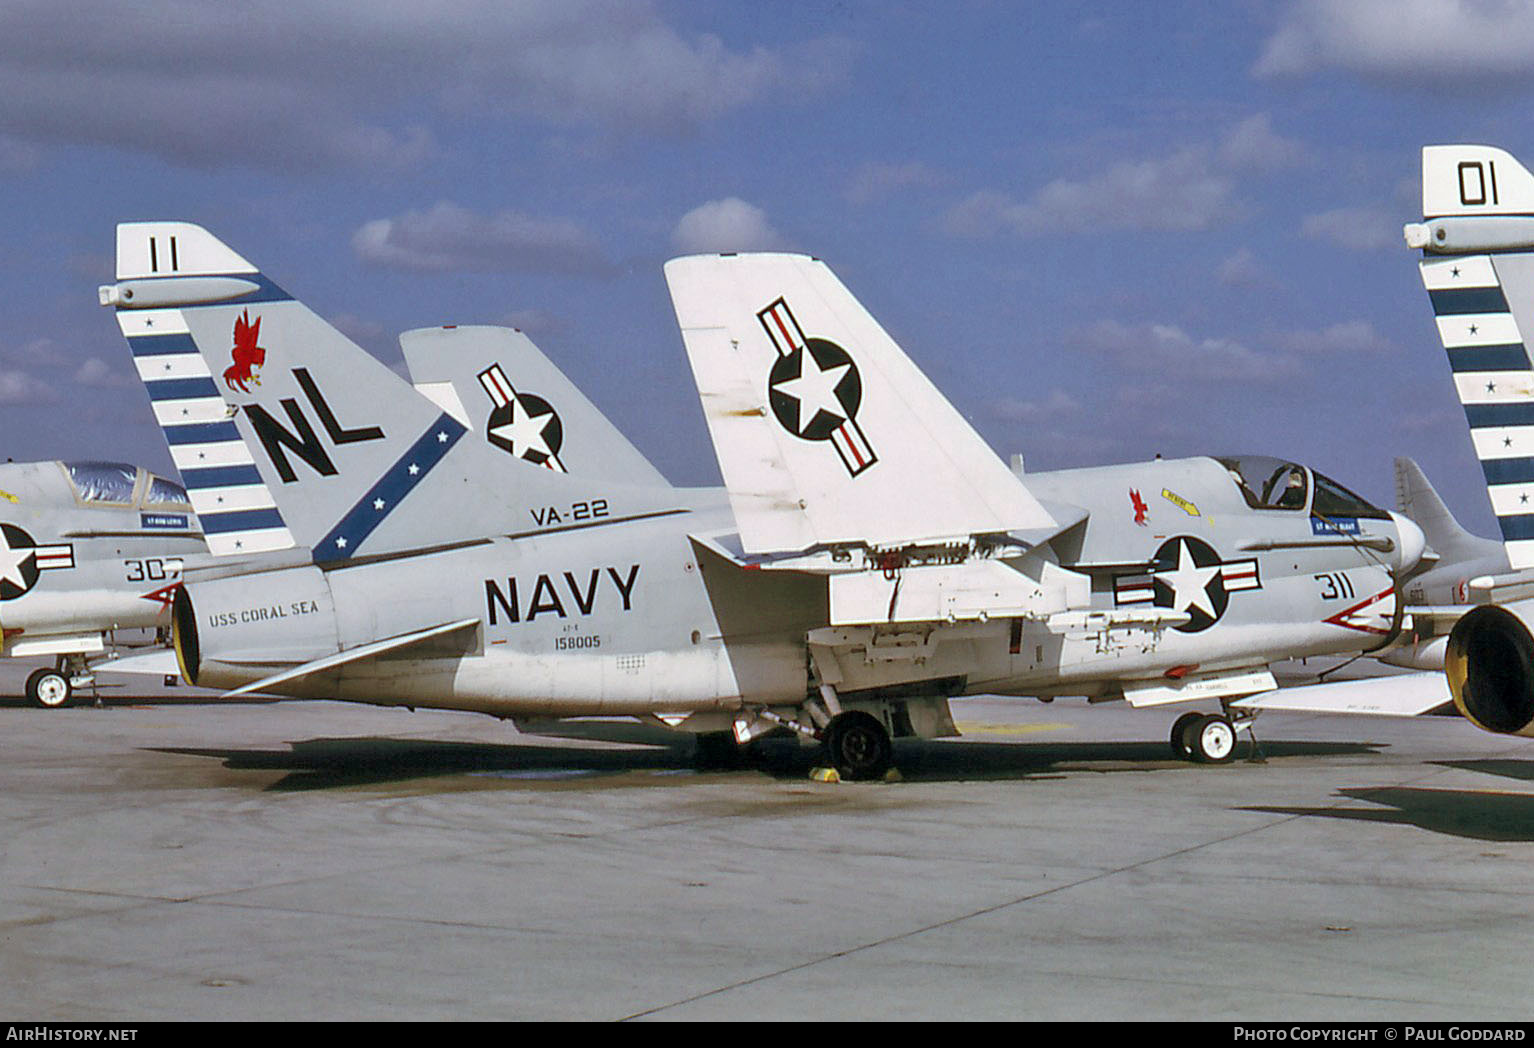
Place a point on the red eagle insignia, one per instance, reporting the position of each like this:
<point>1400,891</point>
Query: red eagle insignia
<point>248,356</point>
<point>1141,509</point>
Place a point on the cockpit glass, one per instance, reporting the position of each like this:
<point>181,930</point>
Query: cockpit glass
<point>1269,483</point>
<point>1334,500</point>
<point>164,492</point>
<point>111,482</point>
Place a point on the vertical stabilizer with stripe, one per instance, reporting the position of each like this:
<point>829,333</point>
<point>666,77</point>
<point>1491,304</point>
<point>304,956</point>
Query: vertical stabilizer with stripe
<point>289,434</point>
<point>1477,238</point>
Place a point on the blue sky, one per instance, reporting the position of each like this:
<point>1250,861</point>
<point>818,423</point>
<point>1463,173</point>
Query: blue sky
<point>1105,230</point>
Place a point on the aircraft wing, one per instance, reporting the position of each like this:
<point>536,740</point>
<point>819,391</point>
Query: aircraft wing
<point>1400,695</point>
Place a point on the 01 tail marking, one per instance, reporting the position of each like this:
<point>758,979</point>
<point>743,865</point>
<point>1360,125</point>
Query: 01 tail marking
<point>814,388</point>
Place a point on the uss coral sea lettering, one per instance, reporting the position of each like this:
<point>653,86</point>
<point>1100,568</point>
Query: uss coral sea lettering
<point>261,614</point>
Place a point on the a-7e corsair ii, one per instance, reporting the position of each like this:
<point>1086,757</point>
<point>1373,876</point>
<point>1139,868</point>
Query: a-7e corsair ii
<point>1477,265</point>
<point>873,558</point>
<point>86,549</point>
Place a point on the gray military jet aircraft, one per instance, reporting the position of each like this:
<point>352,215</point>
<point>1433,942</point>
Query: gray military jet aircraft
<point>86,549</point>
<point>873,557</point>
<point>1477,244</point>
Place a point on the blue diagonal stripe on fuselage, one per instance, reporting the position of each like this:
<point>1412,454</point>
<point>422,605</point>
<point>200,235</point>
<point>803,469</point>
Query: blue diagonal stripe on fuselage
<point>1454,301</point>
<point>396,483</point>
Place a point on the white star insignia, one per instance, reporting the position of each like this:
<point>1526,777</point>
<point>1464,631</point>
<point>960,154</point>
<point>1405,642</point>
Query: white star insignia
<point>378,504</point>
<point>815,390</point>
<point>341,542</point>
<point>525,431</point>
<point>11,561</point>
<point>1190,582</point>
<point>414,469</point>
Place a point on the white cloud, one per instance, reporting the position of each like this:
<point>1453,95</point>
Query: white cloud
<point>1355,228</point>
<point>725,225</point>
<point>1058,406</point>
<point>1168,351</point>
<point>1443,43</point>
<point>1244,270</point>
<point>450,238</point>
<point>19,388</point>
<point>1347,338</point>
<point>330,83</point>
<point>1189,190</point>
<point>873,182</point>
<point>98,374</point>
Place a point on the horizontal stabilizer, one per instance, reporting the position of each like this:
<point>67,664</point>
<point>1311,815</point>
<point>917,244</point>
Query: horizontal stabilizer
<point>350,655</point>
<point>1401,695</point>
<point>827,434</point>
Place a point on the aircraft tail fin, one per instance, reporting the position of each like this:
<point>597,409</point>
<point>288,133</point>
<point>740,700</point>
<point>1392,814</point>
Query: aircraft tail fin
<point>496,382</point>
<point>826,432</point>
<point>286,432</point>
<point>1477,239</point>
<point>1418,499</point>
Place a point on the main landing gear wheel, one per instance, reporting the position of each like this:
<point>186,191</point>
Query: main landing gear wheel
<point>1211,739</point>
<point>857,746</point>
<point>1182,746</point>
<point>49,689</point>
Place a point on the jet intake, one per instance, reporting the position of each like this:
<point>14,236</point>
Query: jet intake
<point>1490,666</point>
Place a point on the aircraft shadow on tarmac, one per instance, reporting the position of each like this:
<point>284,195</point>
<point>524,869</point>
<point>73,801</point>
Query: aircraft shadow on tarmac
<point>1483,815</point>
<point>337,763</point>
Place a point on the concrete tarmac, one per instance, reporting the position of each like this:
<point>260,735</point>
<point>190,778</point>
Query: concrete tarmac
<point>166,856</point>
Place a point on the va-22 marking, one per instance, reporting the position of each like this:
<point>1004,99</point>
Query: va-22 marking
<point>595,509</point>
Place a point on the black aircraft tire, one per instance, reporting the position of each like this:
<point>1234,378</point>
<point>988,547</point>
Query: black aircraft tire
<point>1213,740</point>
<point>1182,730</point>
<point>49,689</point>
<point>857,746</point>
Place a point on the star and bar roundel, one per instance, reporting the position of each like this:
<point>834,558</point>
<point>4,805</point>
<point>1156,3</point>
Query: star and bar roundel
<point>22,560</point>
<point>522,424</point>
<point>1187,575</point>
<point>814,389</point>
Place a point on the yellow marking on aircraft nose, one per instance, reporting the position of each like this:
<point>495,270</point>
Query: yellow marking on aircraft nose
<point>8,496</point>
<point>1181,503</point>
